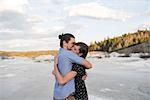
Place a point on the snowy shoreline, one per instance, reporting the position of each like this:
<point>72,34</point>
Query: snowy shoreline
<point>114,78</point>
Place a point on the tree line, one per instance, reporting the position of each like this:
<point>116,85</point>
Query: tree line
<point>120,42</point>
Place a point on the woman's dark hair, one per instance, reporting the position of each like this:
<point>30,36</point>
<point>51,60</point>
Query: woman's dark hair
<point>83,49</point>
<point>65,37</point>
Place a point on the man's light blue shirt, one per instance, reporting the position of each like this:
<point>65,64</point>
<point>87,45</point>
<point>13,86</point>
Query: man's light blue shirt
<point>66,59</point>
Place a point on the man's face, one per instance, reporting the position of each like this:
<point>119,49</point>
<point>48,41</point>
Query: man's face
<point>75,49</point>
<point>71,43</point>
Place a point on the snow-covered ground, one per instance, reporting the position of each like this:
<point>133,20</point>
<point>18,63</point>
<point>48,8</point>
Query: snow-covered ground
<point>113,78</point>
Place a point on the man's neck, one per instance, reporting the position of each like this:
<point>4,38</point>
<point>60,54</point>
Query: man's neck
<point>65,48</point>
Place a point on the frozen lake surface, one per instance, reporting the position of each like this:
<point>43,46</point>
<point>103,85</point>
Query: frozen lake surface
<point>110,79</point>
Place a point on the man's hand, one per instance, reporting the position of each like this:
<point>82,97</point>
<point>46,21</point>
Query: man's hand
<point>55,64</point>
<point>84,77</point>
<point>53,72</point>
<point>87,64</point>
<point>55,59</point>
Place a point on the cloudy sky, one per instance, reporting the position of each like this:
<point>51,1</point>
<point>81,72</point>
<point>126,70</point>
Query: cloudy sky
<point>36,24</point>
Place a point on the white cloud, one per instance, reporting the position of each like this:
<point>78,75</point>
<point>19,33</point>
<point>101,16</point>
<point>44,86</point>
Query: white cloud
<point>56,28</point>
<point>21,30</point>
<point>13,17</point>
<point>71,27</point>
<point>13,5</point>
<point>144,26</point>
<point>5,30</point>
<point>36,19</point>
<point>47,31</point>
<point>147,12</point>
<point>14,20</point>
<point>38,30</point>
<point>55,31</point>
<point>147,24</point>
<point>98,11</point>
<point>29,44</point>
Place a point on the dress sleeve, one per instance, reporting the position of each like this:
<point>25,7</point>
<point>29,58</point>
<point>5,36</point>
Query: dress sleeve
<point>75,68</point>
<point>79,69</point>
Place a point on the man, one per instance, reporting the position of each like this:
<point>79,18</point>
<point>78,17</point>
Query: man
<point>66,58</point>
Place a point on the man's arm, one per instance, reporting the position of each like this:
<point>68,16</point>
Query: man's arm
<point>62,79</point>
<point>79,60</point>
<point>86,63</point>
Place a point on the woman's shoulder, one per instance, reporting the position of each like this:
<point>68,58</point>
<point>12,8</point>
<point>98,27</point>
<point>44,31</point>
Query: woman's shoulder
<point>78,66</point>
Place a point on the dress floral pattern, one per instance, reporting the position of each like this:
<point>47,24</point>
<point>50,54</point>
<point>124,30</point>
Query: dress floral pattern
<point>80,87</point>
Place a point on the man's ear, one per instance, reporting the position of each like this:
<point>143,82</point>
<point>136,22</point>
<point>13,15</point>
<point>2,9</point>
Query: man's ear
<point>80,54</point>
<point>64,43</point>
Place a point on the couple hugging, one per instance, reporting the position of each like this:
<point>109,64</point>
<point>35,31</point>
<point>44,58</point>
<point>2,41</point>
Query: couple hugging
<point>69,69</point>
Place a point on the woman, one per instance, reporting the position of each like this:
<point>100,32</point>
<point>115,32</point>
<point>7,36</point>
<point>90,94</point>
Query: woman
<point>78,71</point>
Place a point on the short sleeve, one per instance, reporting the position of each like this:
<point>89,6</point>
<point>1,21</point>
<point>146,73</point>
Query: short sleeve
<point>75,58</point>
<point>74,68</point>
<point>79,69</point>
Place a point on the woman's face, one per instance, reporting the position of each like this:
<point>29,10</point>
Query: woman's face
<point>75,49</point>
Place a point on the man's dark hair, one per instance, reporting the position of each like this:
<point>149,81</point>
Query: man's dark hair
<point>83,49</point>
<point>65,37</point>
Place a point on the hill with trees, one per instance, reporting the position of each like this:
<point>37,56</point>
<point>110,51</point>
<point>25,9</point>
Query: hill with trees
<point>121,42</point>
